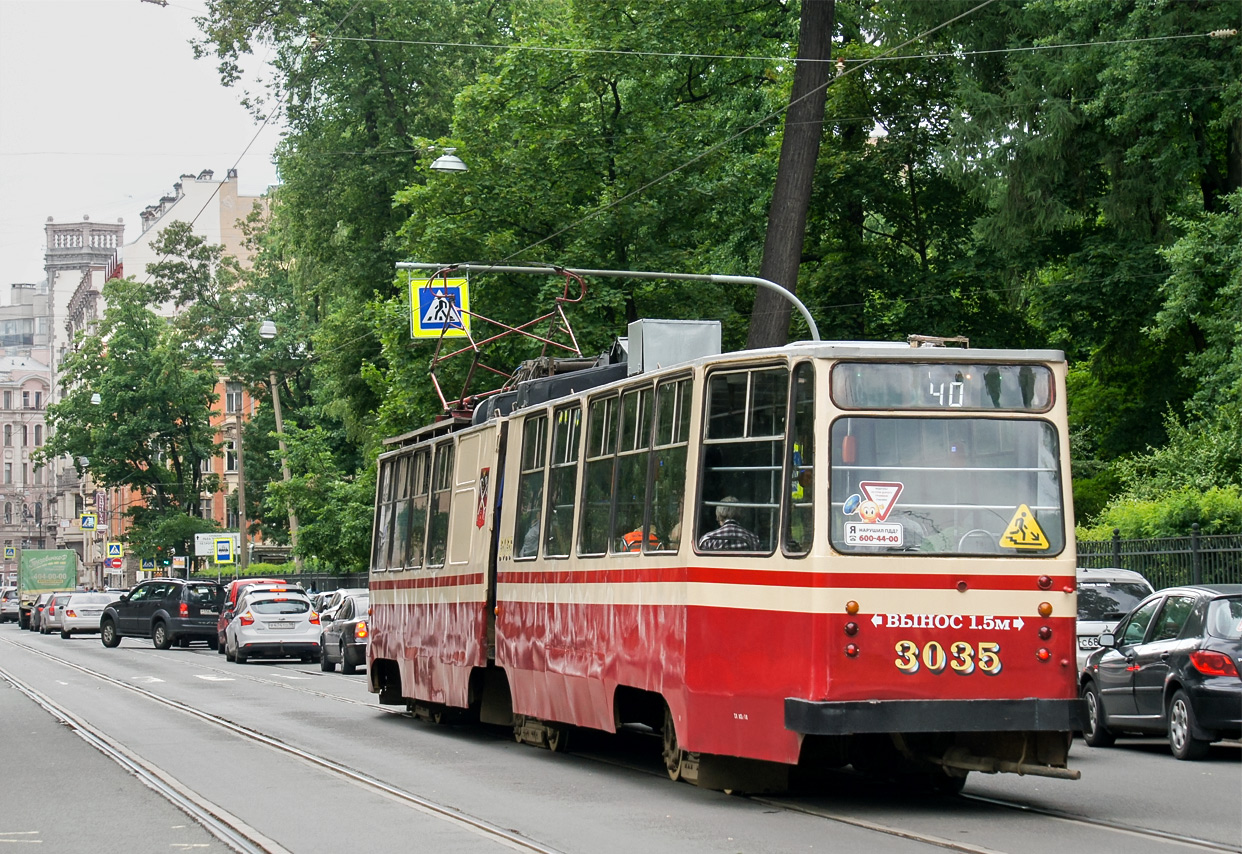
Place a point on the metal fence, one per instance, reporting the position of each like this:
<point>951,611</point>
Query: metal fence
<point>1169,561</point>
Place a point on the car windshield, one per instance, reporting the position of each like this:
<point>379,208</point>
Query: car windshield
<point>91,599</point>
<point>1109,600</point>
<point>280,606</point>
<point>1224,618</point>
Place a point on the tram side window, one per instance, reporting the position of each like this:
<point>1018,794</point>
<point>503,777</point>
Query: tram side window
<point>743,460</point>
<point>383,514</point>
<point>668,485</point>
<point>631,529</point>
<point>420,472</point>
<point>800,517</point>
<point>563,480</point>
<point>530,485</point>
<point>441,498</point>
<point>401,513</point>
<point>600,476</point>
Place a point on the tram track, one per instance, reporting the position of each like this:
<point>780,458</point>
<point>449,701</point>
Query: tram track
<point>225,826</point>
<point>241,837</point>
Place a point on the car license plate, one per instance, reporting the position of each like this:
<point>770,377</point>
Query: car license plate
<point>280,625</point>
<point>1088,643</point>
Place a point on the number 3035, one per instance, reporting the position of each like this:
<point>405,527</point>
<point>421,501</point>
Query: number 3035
<point>960,657</point>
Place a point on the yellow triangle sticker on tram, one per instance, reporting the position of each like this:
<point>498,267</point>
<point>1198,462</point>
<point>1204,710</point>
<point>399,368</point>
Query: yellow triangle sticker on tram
<point>1023,531</point>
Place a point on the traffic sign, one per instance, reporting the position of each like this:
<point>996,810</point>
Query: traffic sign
<point>439,307</point>
<point>87,521</point>
<point>115,550</point>
<point>112,563</point>
<point>10,552</point>
<point>148,564</point>
<point>224,549</point>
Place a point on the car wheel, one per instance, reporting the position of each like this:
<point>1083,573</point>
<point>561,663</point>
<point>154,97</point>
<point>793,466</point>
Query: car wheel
<point>64,635</point>
<point>1095,733</point>
<point>1181,729</point>
<point>108,634</point>
<point>240,657</point>
<point>228,653</point>
<point>326,664</point>
<point>347,666</point>
<point>160,636</point>
<point>222,644</point>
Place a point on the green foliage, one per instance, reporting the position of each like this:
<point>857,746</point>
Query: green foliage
<point>1217,510</point>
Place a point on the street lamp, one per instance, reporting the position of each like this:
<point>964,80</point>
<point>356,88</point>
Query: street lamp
<point>267,331</point>
<point>449,162</point>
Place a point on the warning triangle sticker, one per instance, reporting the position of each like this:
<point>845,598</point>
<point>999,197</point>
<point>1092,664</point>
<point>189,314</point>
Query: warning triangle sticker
<point>883,494</point>
<point>1023,531</point>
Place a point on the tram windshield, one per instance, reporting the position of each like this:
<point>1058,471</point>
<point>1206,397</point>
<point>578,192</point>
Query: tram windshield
<point>946,486</point>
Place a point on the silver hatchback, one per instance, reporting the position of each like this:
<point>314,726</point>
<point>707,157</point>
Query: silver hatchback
<point>1104,597</point>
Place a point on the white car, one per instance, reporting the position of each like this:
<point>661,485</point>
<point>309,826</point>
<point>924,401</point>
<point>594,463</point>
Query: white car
<point>275,625</point>
<point>1104,597</point>
<point>82,611</point>
<point>9,610</point>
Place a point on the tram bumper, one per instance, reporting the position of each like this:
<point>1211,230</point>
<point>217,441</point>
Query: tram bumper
<point>1030,736</point>
<point>811,717</point>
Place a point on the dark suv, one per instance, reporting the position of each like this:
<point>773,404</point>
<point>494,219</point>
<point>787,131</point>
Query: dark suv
<point>166,610</point>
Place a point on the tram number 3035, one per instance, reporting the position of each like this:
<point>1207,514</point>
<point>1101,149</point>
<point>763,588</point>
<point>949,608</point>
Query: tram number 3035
<point>960,657</point>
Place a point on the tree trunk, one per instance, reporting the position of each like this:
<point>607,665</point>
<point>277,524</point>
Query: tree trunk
<point>782,248</point>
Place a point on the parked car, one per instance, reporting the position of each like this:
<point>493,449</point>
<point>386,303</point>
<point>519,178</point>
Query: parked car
<point>273,624</point>
<point>50,620</point>
<point>9,610</point>
<point>166,610</point>
<point>336,597</point>
<point>235,590</point>
<point>36,610</point>
<point>1104,597</point>
<point>82,613</point>
<point>345,637</point>
<point>1170,668</point>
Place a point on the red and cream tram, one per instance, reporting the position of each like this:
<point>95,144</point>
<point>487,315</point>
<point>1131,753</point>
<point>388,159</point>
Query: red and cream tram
<point>824,554</point>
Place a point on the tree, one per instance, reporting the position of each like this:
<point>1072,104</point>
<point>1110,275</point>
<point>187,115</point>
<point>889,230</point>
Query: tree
<point>150,431</point>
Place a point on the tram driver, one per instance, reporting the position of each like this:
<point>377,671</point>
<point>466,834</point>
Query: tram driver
<point>730,536</point>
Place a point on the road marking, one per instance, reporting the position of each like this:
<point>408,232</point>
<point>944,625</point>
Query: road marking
<point>148,679</point>
<point>211,678</point>
<point>58,682</point>
<point>287,676</point>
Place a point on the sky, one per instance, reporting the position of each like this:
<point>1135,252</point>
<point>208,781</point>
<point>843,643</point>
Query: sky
<point>102,108</point>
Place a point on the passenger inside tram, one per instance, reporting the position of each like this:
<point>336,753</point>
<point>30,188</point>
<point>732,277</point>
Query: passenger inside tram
<point>730,536</point>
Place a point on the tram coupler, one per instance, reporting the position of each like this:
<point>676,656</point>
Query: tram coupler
<point>964,760</point>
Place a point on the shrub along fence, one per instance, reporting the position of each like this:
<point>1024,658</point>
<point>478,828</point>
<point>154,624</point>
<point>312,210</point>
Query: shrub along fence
<point>1170,561</point>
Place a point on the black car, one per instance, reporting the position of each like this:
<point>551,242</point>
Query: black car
<point>1171,667</point>
<point>166,610</point>
<point>344,638</point>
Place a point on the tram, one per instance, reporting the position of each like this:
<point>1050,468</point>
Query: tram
<point>819,555</point>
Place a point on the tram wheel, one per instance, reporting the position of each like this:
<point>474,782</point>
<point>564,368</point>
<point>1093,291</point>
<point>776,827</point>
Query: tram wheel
<point>674,756</point>
<point>558,738</point>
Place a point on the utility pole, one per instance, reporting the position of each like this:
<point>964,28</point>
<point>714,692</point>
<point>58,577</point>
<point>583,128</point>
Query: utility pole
<point>243,557</point>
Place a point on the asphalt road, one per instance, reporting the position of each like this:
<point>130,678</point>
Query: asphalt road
<point>606,795</point>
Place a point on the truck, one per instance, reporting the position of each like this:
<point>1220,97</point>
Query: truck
<point>43,571</point>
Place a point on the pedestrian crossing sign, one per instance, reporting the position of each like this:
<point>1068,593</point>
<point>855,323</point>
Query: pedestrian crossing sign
<point>114,550</point>
<point>439,307</point>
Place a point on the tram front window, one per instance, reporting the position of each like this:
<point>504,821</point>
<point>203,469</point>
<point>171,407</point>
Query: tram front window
<point>946,486</point>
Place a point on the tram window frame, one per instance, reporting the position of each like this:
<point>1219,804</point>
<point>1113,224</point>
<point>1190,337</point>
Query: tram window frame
<point>636,416</point>
<point>532,474</point>
<point>728,428</point>
<point>673,413</point>
<point>381,532</point>
<point>441,494</point>
<point>562,483</point>
<point>599,458</point>
<point>799,498</point>
<point>399,527</point>
<point>420,481</point>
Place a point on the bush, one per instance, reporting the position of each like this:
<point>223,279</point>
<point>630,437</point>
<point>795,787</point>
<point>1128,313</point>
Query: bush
<point>1217,510</point>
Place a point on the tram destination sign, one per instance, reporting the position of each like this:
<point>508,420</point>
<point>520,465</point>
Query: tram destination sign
<point>944,385</point>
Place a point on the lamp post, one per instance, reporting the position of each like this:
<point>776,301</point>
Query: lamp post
<point>243,557</point>
<point>267,332</point>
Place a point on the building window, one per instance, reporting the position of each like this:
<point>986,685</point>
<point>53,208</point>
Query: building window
<point>38,400</point>
<point>25,400</point>
<point>38,476</point>
<point>231,521</point>
<point>38,513</point>
<point>8,435</point>
<point>8,472</point>
<point>25,473</point>
<point>232,397</point>
<point>25,435</point>
<point>38,435</point>
<point>230,455</point>
<point>8,400</point>
<point>8,512</point>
